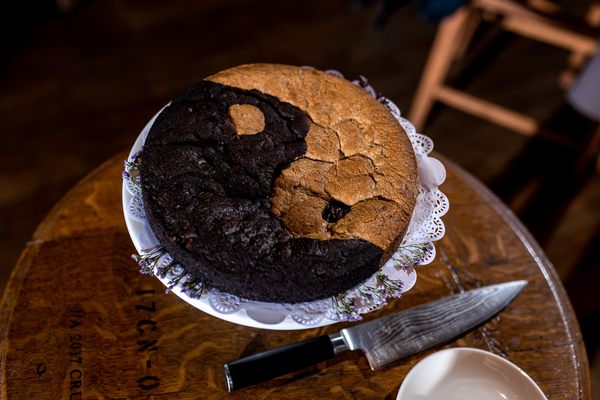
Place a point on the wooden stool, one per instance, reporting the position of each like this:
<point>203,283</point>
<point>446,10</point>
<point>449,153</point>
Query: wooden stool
<point>547,25</point>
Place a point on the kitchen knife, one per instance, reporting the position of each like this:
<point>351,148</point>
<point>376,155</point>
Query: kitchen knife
<point>383,340</point>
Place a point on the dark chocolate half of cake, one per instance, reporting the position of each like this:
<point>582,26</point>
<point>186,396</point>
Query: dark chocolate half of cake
<point>206,191</point>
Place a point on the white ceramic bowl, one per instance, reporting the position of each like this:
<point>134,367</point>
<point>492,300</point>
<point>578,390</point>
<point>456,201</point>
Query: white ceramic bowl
<point>466,373</point>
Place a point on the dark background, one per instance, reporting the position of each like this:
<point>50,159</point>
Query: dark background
<point>78,81</point>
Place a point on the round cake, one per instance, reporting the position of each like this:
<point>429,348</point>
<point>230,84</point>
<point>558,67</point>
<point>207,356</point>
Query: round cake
<point>278,183</point>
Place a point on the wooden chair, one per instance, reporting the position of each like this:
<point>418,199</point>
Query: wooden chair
<point>537,19</point>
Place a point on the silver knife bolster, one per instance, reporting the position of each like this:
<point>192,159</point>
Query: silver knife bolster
<point>338,341</point>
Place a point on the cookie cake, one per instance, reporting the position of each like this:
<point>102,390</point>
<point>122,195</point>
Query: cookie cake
<point>278,183</point>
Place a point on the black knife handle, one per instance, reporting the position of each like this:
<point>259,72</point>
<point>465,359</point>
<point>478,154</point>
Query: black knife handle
<point>279,361</point>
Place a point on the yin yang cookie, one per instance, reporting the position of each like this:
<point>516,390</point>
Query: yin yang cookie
<point>278,183</point>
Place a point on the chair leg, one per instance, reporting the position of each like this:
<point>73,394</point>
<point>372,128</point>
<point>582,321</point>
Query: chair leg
<point>443,52</point>
<point>590,154</point>
<point>593,15</point>
<point>470,26</point>
<point>574,64</point>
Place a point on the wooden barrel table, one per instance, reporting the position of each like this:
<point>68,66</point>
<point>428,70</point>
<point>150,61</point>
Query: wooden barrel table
<point>78,321</point>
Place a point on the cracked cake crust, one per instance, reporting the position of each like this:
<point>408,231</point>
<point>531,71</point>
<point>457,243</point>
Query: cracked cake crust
<point>357,154</point>
<point>278,183</point>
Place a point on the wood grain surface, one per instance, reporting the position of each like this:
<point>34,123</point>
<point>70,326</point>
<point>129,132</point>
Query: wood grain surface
<point>79,322</point>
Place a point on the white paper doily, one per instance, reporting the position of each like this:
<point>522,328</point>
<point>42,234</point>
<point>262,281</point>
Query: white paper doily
<point>395,278</point>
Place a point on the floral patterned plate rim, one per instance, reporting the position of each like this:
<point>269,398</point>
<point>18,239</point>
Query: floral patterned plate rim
<point>396,277</point>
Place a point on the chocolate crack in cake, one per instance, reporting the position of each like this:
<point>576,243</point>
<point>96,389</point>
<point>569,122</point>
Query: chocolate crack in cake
<point>278,183</point>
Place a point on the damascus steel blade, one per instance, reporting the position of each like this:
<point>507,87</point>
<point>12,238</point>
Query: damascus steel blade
<point>393,337</point>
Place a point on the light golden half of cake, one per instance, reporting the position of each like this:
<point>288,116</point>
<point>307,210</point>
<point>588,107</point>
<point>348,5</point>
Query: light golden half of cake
<point>357,154</point>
